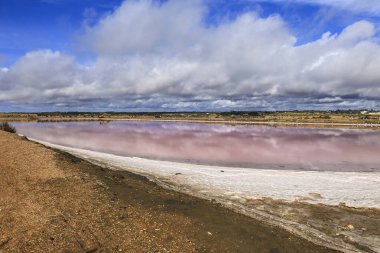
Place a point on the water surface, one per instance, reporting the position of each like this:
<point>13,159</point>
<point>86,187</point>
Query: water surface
<point>215,144</point>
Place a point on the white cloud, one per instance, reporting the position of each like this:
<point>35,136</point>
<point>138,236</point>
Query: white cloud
<point>364,6</point>
<point>162,56</point>
<point>143,26</point>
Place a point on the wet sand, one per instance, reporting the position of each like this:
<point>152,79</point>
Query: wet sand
<point>53,202</point>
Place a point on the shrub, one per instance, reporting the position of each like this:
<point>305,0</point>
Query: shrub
<point>5,126</point>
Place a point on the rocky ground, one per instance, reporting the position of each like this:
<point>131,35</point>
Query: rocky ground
<point>53,202</point>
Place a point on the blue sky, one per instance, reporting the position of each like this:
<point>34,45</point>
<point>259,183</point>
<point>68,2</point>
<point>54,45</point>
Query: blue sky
<point>27,25</point>
<point>80,35</point>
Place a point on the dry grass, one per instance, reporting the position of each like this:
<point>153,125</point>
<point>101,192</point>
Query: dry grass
<point>351,117</point>
<point>5,126</point>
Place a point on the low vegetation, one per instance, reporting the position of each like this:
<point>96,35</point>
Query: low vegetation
<point>5,126</point>
<point>363,116</point>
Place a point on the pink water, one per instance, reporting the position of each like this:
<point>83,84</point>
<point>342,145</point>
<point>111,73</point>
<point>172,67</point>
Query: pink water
<point>244,146</point>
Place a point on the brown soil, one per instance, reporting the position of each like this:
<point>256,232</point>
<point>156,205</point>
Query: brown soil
<point>53,202</point>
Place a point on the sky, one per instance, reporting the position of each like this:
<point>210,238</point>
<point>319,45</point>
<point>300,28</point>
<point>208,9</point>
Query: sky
<point>189,55</point>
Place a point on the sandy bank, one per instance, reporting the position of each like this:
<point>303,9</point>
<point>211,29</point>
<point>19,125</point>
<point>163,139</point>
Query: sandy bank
<point>53,202</point>
<point>257,193</point>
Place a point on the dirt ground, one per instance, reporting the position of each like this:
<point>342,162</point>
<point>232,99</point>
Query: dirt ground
<point>53,202</point>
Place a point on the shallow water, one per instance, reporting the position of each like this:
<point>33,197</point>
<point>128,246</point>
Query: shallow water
<point>215,144</point>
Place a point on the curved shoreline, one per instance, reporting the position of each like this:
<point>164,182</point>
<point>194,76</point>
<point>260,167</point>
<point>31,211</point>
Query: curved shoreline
<point>355,189</point>
<point>52,201</point>
<point>239,205</point>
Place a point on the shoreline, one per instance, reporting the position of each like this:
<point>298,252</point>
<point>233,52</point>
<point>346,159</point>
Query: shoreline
<point>284,123</point>
<point>53,201</point>
<point>256,209</point>
<point>199,178</point>
<point>369,126</point>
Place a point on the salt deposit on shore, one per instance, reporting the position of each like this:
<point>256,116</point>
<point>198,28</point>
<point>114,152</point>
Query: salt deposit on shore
<point>356,189</point>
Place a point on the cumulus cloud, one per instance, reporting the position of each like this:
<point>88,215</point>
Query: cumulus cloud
<point>152,56</point>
